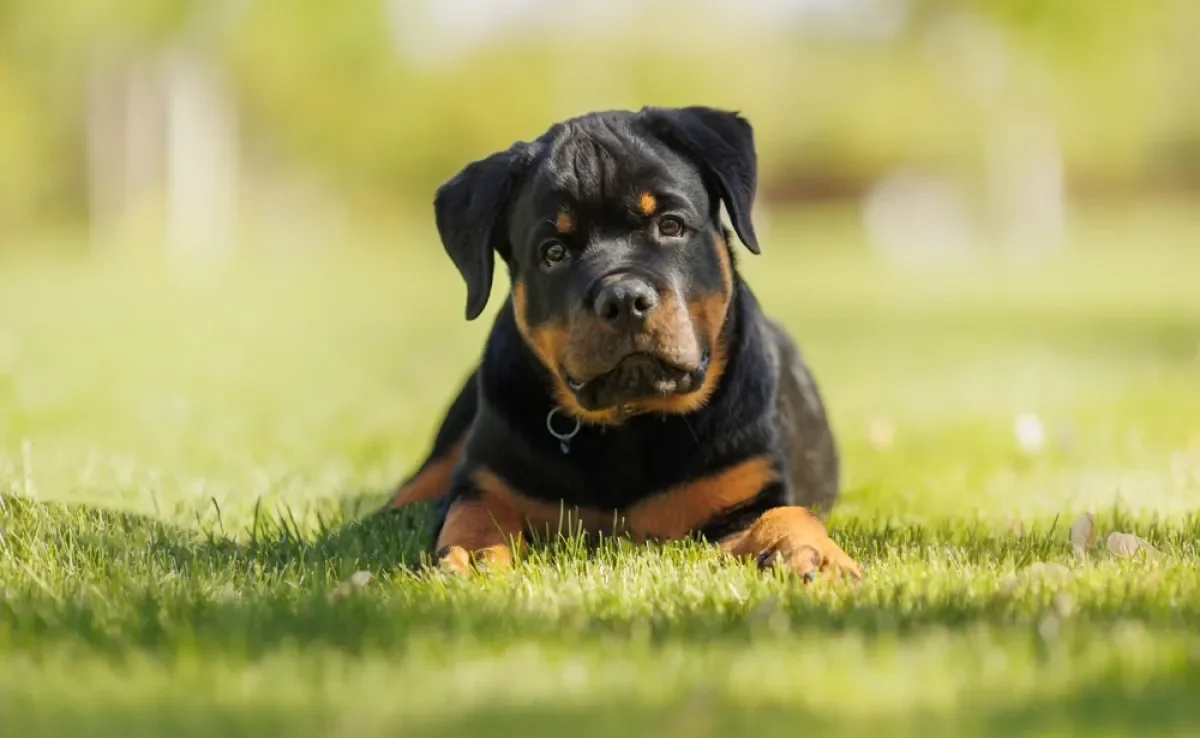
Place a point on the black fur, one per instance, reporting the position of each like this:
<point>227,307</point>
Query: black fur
<point>765,403</point>
<point>469,210</point>
<point>724,145</point>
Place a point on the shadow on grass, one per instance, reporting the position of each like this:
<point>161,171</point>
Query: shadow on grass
<point>379,540</point>
<point>111,580</point>
<point>1162,705</point>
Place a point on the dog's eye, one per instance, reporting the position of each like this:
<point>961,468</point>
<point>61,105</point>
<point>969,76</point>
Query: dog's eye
<point>670,226</point>
<point>553,252</point>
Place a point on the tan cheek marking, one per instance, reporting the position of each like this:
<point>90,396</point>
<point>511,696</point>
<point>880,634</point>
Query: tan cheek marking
<point>564,223</point>
<point>723,256</point>
<point>669,330</point>
<point>546,341</point>
<point>708,316</point>
<point>672,330</point>
<point>647,203</point>
<point>673,514</point>
<point>551,344</point>
<point>518,296</point>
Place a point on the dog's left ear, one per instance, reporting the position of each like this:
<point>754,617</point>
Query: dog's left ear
<point>469,209</point>
<point>722,143</point>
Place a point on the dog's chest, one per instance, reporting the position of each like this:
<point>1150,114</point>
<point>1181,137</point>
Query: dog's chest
<point>647,486</point>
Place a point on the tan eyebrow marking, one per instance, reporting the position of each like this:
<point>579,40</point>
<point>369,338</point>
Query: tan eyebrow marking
<point>647,203</point>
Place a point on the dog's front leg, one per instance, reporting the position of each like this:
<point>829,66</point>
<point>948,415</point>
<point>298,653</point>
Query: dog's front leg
<point>479,530</point>
<point>794,538</point>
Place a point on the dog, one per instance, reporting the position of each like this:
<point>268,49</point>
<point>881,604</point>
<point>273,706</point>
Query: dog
<point>631,385</point>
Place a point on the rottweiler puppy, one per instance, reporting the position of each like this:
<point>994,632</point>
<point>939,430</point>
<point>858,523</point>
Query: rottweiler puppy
<point>631,384</point>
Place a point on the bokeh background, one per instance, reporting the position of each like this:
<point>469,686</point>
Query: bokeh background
<point>218,266</point>
<point>207,125</point>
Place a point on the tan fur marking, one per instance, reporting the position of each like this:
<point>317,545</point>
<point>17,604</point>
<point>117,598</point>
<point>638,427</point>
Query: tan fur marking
<point>540,516</point>
<point>671,331</point>
<point>564,223</point>
<point>455,559</point>
<point>673,514</point>
<point>647,203</point>
<point>794,537</point>
<point>549,342</point>
<point>431,481</point>
<point>707,316</point>
<point>481,529</point>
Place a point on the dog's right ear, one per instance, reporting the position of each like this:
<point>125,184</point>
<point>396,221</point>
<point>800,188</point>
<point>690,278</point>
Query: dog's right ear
<point>469,209</point>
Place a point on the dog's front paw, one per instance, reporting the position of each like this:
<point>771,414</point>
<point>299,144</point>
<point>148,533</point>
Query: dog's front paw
<point>454,559</point>
<point>812,560</point>
<point>459,560</point>
<point>795,539</point>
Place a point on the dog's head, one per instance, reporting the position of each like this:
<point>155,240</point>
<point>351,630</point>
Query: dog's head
<point>610,227</point>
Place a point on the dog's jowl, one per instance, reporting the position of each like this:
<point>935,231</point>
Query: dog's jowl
<point>631,384</point>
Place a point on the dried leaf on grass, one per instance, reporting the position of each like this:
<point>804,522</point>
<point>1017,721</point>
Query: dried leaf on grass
<point>1125,545</point>
<point>1083,531</point>
<point>357,581</point>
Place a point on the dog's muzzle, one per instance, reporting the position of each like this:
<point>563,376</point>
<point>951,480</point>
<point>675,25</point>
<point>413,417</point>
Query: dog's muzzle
<point>638,376</point>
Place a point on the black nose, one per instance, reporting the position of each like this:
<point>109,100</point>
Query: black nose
<point>626,303</point>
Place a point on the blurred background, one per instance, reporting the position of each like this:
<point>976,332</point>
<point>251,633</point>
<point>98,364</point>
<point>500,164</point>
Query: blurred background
<point>219,275</point>
<point>207,125</point>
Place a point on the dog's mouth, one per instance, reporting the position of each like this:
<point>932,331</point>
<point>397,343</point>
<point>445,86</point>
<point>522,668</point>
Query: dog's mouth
<point>638,376</point>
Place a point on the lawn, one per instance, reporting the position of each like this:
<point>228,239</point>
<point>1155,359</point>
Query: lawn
<point>187,458</point>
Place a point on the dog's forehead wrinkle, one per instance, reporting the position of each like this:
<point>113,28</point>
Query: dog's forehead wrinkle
<point>597,160</point>
<point>598,170</point>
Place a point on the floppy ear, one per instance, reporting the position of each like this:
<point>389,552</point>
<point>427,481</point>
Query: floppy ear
<point>722,143</point>
<point>469,209</point>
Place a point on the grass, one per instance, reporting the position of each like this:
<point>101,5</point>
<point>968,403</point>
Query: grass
<point>185,459</point>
